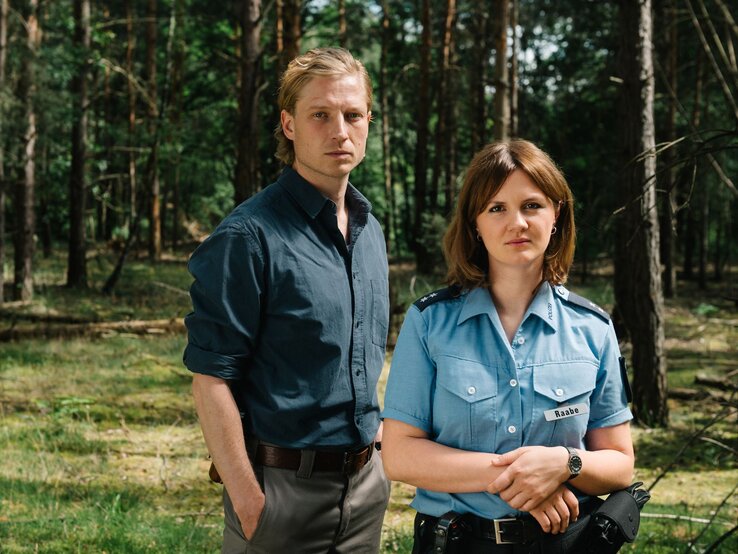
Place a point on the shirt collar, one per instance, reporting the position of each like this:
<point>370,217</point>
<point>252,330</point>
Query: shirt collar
<point>478,301</point>
<point>312,201</point>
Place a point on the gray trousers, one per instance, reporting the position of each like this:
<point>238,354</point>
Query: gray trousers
<point>324,513</point>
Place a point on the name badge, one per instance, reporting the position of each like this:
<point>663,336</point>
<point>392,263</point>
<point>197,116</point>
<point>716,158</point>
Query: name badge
<point>566,411</point>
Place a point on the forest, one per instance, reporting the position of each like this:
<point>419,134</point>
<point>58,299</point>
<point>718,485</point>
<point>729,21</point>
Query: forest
<point>130,128</point>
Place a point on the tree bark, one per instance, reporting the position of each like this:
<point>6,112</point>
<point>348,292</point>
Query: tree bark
<point>153,175</point>
<point>479,26</point>
<point>25,190</point>
<point>502,93</point>
<point>384,103</point>
<point>247,180</point>
<point>670,175</point>
<point>130,45</point>
<point>3,56</point>
<point>423,134</point>
<point>638,293</point>
<point>445,107</point>
<point>77,255</point>
<point>289,31</point>
<point>514,78</point>
<point>342,23</point>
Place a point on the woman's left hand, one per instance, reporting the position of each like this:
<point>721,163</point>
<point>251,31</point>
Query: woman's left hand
<point>532,475</point>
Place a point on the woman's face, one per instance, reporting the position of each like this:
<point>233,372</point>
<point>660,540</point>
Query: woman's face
<point>516,224</point>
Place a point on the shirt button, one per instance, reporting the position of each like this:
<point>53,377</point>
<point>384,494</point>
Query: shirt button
<point>511,429</point>
<point>471,390</point>
<point>559,392</point>
<point>513,383</point>
<point>521,340</point>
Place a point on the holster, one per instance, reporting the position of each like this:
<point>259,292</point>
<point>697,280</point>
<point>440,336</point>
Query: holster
<point>616,521</point>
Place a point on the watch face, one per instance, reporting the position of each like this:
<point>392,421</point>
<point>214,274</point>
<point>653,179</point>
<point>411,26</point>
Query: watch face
<point>575,464</point>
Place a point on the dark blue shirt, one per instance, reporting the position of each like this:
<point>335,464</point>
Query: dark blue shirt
<point>292,316</point>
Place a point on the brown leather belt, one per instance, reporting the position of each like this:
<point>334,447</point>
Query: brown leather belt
<point>346,462</point>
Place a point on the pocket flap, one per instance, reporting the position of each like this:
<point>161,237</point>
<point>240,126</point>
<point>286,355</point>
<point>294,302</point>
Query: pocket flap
<point>470,381</point>
<point>564,382</point>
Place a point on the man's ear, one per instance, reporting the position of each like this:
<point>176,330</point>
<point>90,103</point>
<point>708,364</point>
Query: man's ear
<point>288,124</point>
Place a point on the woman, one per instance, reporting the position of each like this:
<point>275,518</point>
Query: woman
<point>505,387</point>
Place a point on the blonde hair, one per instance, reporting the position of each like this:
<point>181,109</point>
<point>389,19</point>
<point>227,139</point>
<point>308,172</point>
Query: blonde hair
<point>466,256</point>
<point>318,62</point>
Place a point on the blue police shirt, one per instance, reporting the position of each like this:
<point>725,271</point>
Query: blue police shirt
<point>455,376</point>
<point>292,316</point>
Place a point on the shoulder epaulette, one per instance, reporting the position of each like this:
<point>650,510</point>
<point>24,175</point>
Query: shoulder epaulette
<point>582,302</point>
<point>437,296</point>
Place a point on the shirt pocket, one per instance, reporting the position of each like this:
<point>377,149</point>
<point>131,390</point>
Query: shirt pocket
<point>556,388</point>
<point>465,404</point>
<point>380,311</point>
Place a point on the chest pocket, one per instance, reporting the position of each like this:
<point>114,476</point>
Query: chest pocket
<point>556,388</point>
<point>464,404</point>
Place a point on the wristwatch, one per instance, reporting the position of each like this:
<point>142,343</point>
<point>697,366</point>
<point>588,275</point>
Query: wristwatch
<point>575,462</point>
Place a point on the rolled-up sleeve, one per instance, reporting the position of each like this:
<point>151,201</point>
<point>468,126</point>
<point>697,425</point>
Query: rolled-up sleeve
<point>222,329</point>
<point>609,403</point>
<point>408,397</point>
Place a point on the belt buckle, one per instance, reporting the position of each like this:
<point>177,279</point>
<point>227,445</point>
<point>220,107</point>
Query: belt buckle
<point>498,530</point>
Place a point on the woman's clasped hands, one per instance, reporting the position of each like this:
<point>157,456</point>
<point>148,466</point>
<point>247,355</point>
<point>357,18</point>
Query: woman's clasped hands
<point>532,482</point>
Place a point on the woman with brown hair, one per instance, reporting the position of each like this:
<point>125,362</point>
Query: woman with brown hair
<point>505,387</point>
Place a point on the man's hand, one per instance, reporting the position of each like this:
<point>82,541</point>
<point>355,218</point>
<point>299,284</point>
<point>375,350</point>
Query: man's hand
<point>558,510</point>
<point>249,513</point>
<point>532,475</point>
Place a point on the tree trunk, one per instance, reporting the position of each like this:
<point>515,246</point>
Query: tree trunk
<point>423,134</point>
<point>638,292</point>
<point>502,94</point>
<point>25,190</point>
<point>479,30</point>
<point>342,23</point>
<point>247,180</point>
<point>3,58</point>
<point>77,255</point>
<point>153,175</point>
<point>668,213</point>
<point>444,106</point>
<point>514,13</point>
<point>175,114</point>
<point>690,233</point>
<point>384,102</point>
<point>289,31</point>
<point>131,43</point>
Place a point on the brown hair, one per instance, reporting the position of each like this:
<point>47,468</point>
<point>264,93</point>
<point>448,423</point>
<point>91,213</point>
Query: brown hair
<point>318,62</point>
<point>466,256</point>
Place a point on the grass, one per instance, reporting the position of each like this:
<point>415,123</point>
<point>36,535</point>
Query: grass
<point>102,451</point>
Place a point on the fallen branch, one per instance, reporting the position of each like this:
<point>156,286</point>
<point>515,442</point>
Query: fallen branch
<point>677,517</point>
<point>137,327</point>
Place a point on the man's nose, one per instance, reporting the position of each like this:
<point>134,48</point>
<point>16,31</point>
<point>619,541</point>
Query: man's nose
<point>340,129</point>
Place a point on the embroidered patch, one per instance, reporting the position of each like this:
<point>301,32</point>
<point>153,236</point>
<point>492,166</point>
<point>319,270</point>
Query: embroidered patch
<point>566,411</point>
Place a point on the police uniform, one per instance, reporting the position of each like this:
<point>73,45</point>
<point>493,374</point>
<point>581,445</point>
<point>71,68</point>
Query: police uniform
<point>455,376</point>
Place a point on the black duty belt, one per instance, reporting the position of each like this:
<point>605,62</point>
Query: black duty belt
<point>347,462</point>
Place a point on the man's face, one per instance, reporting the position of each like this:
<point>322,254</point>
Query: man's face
<point>328,128</point>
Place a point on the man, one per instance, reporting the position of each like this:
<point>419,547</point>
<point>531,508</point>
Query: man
<point>287,334</point>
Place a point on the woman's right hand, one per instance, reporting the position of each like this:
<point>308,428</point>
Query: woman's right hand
<point>558,510</point>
